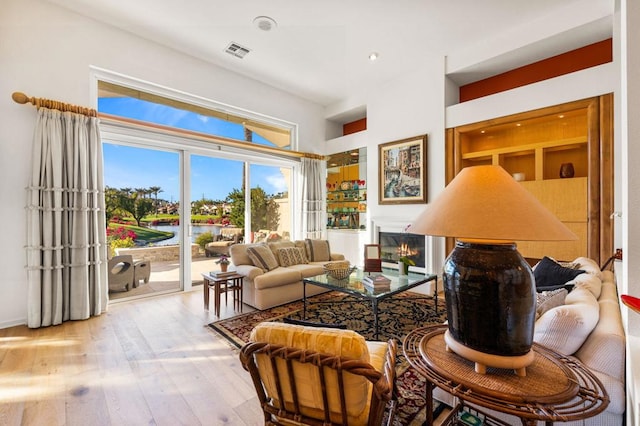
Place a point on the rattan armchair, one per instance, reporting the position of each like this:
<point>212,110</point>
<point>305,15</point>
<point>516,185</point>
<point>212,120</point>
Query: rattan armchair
<point>321,388</point>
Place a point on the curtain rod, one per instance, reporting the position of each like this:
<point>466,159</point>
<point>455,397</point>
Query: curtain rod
<point>21,98</point>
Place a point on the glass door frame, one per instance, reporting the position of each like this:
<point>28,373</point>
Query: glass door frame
<point>186,146</point>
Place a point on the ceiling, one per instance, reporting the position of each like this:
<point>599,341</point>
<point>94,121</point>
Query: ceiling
<point>319,49</point>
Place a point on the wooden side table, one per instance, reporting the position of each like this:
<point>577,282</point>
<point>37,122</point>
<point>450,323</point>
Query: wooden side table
<point>556,387</point>
<point>233,282</point>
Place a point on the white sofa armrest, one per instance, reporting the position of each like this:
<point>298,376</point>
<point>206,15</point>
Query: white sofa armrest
<point>249,271</point>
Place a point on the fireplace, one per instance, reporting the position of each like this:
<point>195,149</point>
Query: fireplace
<point>430,257</point>
<point>394,245</point>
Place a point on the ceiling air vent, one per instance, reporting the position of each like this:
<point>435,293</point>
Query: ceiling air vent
<point>236,50</point>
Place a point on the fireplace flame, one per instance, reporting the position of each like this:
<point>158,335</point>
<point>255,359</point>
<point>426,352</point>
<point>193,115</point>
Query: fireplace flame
<point>405,250</point>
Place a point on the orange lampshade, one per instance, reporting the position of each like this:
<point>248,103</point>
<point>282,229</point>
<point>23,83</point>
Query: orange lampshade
<point>486,203</point>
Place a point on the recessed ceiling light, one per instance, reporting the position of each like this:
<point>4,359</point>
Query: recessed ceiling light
<point>373,56</point>
<point>265,23</point>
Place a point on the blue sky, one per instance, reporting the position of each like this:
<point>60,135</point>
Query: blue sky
<point>211,178</point>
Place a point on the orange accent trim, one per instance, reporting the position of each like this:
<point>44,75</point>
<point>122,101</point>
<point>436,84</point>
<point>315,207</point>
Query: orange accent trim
<point>575,60</point>
<point>354,126</point>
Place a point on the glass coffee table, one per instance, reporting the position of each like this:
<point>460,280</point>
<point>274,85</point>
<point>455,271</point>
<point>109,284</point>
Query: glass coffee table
<point>353,286</point>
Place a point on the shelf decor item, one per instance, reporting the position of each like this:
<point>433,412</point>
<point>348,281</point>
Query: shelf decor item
<point>402,171</point>
<point>372,259</point>
<point>489,287</point>
<point>567,170</point>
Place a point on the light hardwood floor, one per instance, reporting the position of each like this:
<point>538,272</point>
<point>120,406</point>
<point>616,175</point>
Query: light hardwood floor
<point>145,362</point>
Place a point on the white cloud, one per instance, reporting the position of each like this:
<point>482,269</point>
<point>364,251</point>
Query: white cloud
<point>278,182</point>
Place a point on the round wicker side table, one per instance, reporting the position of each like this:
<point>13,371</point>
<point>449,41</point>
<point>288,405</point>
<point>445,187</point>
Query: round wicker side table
<point>556,387</point>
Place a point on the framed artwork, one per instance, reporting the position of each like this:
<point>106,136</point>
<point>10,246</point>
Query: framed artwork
<point>402,171</point>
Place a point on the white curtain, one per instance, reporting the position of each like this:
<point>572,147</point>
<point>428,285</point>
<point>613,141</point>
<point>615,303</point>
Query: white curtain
<point>66,235</point>
<point>313,182</point>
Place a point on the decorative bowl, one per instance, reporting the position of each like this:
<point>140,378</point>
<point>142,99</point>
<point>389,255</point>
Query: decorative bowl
<point>339,270</point>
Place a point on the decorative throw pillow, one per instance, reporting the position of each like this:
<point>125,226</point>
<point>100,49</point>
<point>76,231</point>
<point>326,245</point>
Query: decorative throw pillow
<point>262,257</point>
<point>546,300</point>
<point>565,328</point>
<point>550,275</point>
<point>291,256</point>
<point>318,250</point>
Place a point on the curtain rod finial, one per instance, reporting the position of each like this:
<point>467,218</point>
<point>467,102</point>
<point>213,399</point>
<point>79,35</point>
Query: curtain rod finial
<point>20,97</point>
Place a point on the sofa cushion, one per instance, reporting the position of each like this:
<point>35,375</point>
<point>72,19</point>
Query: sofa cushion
<point>331,341</point>
<point>309,269</point>
<point>546,300</point>
<point>239,255</point>
<point>291,256</point>
<point>318,250</point>
<point>277,278</point>
<point>262,257</point>
<point>589,281</point>
<point>277,245</point>
<point>588,265</point>
<point>565,328</point>
<point>550,275</point>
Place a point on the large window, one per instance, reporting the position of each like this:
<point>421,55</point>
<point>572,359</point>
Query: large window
<point>152,108</point>
<point>200,195</point>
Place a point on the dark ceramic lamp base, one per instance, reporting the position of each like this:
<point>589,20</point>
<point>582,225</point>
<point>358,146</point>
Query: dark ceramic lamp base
<point>490,296</point>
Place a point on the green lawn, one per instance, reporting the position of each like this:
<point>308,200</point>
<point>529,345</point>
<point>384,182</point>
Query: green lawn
<point>144,234</point>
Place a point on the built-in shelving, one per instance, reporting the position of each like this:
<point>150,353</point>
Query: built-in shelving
<point>533,147</point>
<point>346,200</point>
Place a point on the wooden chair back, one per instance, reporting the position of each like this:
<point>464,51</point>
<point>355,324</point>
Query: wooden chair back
<point>284,360</point>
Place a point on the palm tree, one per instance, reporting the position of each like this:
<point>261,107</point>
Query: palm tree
<point>155,190</point>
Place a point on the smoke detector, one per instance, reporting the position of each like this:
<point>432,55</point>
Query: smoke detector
<point>236,50</point>
<point>265,23</point>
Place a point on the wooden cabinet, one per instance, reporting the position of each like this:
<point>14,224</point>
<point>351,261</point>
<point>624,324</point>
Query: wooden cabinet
<point>533,147</point>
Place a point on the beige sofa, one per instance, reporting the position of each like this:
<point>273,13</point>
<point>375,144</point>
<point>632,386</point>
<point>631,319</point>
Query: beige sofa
<point>588,326</point>
<point>267,284</point>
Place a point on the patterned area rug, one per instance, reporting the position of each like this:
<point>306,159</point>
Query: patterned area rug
<point>397,316</point>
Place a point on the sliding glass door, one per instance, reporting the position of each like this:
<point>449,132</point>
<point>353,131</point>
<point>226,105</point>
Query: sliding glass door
<point>270,201</point>
<point>217,219</point>
<point>142,195</point>
<point>175,210</point>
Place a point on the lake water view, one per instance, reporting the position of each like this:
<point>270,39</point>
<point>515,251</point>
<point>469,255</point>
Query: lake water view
<point>195,231</point>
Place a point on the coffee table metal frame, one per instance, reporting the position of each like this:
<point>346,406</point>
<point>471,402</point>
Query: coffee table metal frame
<point>353,286</point>
<point>585,396</point>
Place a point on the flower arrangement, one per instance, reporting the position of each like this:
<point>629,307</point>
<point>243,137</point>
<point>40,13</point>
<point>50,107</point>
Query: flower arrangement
<point>404,262</point>
<point>407,261</point>
<point>223,260</point>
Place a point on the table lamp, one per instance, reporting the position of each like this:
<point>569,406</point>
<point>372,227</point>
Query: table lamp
<point>489,287</point>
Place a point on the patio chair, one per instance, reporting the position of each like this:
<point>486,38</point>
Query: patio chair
<point>142,271</point>
<point>328,377</point>
<point>121,273</point>
<point>226,238</point>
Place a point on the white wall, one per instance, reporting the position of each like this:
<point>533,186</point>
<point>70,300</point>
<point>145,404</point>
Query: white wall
<point>47,51</point>
<point>410,105</point>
